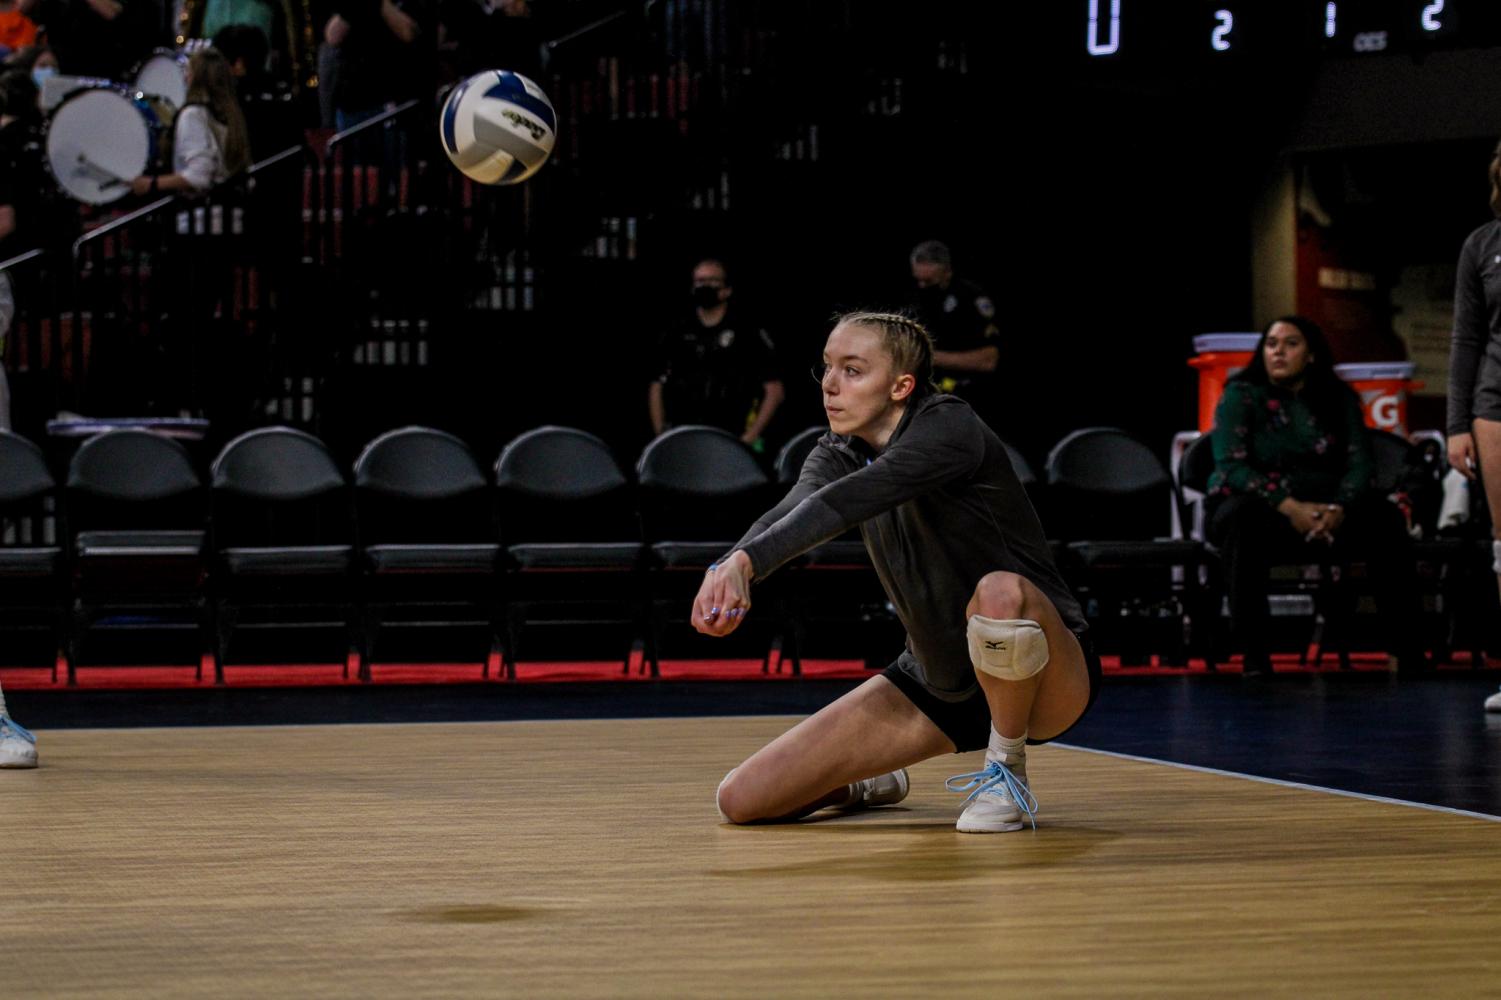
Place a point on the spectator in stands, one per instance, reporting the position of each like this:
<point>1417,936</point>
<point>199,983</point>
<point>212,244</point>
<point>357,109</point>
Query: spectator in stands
<point>271,119</point>
<point>715,366</point>
<point>209,19</point>
<point>1474,418</point>
<point>492,34</point>
<point>7,316</point>
<point>1293,470</point>
<point>961,317</point>
<point>39,62</point>
<point>17,31</point>
<point>20,195</point>
<point>198,374</point>
<point>97,38</point>
<point>386,54</point>
<point>210,143</point>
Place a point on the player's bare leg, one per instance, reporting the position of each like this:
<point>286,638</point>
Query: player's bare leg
<point>872,732</point>
<point>1036,682</point>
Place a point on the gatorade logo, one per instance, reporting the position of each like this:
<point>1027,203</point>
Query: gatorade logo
<point>1385,410</point>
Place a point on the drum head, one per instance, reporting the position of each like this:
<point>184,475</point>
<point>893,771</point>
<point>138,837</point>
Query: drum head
<point>97,142</point>
<point>164,74</point>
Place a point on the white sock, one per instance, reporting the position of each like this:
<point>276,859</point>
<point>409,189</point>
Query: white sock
<point>1011,752</point>
<point>852,797</point>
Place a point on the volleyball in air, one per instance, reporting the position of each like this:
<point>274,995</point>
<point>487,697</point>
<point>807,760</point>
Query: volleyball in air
<point>498,127</point>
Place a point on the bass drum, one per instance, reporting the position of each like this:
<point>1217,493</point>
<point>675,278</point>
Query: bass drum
<point>101,138</point>
<point>163,74</point>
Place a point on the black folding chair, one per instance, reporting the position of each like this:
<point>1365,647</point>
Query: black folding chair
<point>33,581</point>
<point>568,518</point>
<point>701,489</point>
<point>137,513</point>
<point>1110,499</point>
<point>427,538</point>
<point>282,539</point>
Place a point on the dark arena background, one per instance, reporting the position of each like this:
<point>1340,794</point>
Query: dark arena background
<point>407,702</point>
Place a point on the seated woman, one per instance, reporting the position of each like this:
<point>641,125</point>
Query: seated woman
<point>1293,470</point>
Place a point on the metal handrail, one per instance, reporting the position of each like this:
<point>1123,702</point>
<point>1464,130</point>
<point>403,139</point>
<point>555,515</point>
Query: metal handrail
<point>121,222</point>
<point>145,210</point>
<point>24,258</point>
<point>276,158</point>
<point>380,119</point>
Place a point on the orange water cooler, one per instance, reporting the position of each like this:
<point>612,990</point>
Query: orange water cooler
<point>1383,387</point>
<point>1217,357</point>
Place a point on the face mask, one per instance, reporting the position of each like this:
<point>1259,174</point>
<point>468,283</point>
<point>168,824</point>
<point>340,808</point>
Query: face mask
<point>39,74</point>
<point>706,296</point>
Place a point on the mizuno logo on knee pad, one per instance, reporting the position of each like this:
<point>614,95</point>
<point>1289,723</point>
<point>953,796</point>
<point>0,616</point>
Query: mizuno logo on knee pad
<point>1012,649</point>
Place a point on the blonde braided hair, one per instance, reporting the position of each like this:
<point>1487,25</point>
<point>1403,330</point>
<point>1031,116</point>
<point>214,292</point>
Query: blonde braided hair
<point>907,341</point>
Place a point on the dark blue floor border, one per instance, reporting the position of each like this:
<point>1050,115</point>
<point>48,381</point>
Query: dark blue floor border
<point>1424,739</point>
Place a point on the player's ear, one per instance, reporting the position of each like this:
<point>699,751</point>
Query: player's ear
<point>903,387</point>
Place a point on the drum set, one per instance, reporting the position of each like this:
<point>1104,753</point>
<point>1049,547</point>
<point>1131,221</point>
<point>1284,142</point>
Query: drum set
<point>101,134</point>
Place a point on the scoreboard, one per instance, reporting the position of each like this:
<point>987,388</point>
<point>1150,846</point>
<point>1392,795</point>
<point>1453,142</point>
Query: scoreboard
<point>1166,33</point>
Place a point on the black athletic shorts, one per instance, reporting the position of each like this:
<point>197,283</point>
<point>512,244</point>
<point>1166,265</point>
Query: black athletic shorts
<point>967,722</point>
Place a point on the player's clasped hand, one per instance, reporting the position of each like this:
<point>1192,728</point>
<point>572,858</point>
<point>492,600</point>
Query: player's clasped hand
<point>723,598</point>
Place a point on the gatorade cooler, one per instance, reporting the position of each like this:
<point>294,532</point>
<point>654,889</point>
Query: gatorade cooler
<point>1383,388</point>
<point>1219,355</point>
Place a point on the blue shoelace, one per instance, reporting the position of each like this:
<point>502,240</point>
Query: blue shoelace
<point>9,726</point>
<point>996,774</point>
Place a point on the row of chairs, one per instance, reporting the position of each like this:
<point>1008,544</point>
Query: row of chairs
<point>560,533</point>
<point>420,533</point>
<point>1105,490</point>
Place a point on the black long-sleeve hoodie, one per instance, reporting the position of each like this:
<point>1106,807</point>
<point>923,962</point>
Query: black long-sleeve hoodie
<point>939,507</point>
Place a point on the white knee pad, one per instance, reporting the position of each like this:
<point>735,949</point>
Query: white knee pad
<point>1496,551</point>
<point>1012,649</point>
<point>725,780</point>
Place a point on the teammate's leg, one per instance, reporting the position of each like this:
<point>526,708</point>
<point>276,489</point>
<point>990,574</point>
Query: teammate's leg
<point>17,745</point>
<point>1488,448</point>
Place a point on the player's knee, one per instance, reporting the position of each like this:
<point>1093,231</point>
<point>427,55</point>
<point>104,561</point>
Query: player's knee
<point>999,595</point>
<point>731,801</point>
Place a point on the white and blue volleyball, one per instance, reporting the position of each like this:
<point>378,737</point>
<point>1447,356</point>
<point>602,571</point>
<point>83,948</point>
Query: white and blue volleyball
<point>498,127</point>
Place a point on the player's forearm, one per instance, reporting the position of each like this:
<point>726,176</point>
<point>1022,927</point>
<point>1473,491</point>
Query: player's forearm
<point>771,400</point>
<point>981,359</point>
<point>655,409</point>
<point>399,22</point>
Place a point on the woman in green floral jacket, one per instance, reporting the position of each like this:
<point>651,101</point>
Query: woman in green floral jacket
<point>1293,470</point>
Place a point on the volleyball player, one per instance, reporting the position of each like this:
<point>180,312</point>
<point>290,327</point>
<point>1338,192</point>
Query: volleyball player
<point>17,744</point>
<point>997,653</point>
<point>1474,418</point>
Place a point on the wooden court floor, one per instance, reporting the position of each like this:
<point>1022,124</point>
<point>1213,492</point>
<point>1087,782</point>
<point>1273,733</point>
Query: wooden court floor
<point>584,859</point>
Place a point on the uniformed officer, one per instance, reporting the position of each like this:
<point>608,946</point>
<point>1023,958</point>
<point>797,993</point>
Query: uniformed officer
<point>961,318</point>
<point>716,367</point>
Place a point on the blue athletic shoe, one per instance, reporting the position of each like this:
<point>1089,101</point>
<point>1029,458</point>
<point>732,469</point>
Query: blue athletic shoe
<point>998,801</point>
<point>17,744</point>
